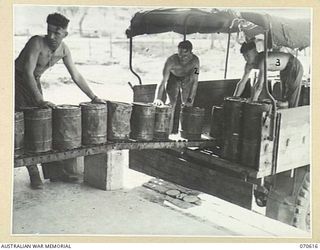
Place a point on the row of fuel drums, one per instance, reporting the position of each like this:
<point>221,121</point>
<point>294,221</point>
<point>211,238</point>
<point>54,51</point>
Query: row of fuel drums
<point>236,126</point>
<point>68,126</point>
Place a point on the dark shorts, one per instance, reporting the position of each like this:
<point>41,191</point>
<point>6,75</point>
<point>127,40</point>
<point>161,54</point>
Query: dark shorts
<point>176,84</point>
<point>291,78</point>
<point>23,95</point>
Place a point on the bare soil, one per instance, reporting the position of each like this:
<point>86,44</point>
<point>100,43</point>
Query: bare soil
<point>72,209</point>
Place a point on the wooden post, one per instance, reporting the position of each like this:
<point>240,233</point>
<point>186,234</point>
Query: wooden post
<point>105,171</point>
<point>110,43</point>
<point>162,47</point>
<point>90,53</point>
<point>212,41</point>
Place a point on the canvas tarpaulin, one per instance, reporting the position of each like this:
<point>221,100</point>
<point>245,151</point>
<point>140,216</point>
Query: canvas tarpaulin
<point>182,21</point>
<point>292,33</point>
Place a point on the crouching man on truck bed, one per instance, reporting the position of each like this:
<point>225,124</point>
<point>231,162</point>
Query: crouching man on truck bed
<point>180,73</point>
<point>290,68</point>
<point>39,54</point>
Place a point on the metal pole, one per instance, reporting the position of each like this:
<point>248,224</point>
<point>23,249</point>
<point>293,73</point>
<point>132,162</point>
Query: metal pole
<point>265,67</point>
<point>227,56</point>
<point>185,27</point>
<point>274,107</point>
<point>130,62</point>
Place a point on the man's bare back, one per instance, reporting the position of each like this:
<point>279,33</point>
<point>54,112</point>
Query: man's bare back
<point>276,61</point>
<point>290,69</point>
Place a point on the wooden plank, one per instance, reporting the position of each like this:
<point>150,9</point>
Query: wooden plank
<point>266,145</point>
<point>175,194</point>
<point>276,143</point>
<point>216,161</point>
<point>179,203</point>
<point>201,179</point>
<point>170,185</point>
<point>171,168</point>
<point>294,138</point>
<point>29,159</point>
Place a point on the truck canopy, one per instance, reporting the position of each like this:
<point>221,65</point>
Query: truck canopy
<point>284,32</point>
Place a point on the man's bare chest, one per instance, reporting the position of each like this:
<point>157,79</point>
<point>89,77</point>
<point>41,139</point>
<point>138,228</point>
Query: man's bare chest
<point>48,58</point>
<point>182,70</point>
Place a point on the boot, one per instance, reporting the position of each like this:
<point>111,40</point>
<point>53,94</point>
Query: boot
<point>35,181</point>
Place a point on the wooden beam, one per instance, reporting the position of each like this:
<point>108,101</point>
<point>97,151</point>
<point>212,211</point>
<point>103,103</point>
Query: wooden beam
<point>216,161</point>
<point>29,159</point>
<point>169,167</point>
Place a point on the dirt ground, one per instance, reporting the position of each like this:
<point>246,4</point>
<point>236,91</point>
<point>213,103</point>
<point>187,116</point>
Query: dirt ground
<point>72,209</point>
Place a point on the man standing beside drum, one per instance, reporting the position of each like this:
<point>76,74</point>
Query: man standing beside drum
<point>180,73</point>
<point>290,68</point>
<point>39,54</point>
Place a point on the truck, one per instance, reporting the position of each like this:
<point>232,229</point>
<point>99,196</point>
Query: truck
<point>280,182</point>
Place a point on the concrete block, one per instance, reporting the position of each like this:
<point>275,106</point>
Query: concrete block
<point>105,171</point>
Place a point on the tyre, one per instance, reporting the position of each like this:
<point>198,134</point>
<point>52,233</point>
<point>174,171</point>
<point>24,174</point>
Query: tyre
<point>301,217</point>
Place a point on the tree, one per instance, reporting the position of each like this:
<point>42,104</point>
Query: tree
<point>77,13</point>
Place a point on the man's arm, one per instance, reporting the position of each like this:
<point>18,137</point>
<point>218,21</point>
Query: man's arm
<point>242,83</point>
<point>32,50</point>
<point>161,87</point>
<point>257,87</point>
<point>78,78</point>
<point>195,76</point>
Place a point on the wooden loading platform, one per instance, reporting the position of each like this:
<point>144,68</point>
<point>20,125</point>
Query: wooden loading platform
<point>34,158</point>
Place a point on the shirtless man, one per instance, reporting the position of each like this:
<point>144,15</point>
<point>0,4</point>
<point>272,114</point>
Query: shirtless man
<point>290,68</point>
<point>180,73</point>
<point>40,53</point>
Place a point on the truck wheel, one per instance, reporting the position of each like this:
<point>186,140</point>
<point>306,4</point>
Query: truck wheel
<point>301,218</point>
<point>261,196</point>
